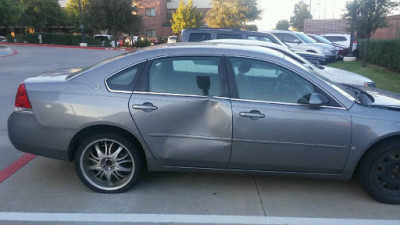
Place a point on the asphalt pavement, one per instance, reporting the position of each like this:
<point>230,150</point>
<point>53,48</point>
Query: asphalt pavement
<point>47,191</point>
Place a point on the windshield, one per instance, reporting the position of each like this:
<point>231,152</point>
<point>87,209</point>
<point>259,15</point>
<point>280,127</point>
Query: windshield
<point>305,38</point>
<point>321,39</point>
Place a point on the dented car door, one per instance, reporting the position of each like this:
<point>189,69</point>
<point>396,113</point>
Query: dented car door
<point>182,112</point>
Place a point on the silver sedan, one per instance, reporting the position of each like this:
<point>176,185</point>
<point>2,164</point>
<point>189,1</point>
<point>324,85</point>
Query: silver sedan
<point>209,107</point>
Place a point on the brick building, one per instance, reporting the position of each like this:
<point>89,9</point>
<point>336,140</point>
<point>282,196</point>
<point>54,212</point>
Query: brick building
<point>340,26</point>
<point>158,13</point>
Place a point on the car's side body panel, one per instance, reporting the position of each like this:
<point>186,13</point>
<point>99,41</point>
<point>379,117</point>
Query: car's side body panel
<point>63,107</point>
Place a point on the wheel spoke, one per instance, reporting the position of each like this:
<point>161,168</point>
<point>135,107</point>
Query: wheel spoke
<point>98,151</point>
<point>121,158</point>
<point>95,167</point>
<point>120,175</point>
<point>124,161</point>
<point>114,173</point>
<point>122,169</point>
<point>108,177</point>
<point>116,153</point>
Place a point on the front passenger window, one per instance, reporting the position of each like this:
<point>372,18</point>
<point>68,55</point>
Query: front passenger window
<point>258,80</point>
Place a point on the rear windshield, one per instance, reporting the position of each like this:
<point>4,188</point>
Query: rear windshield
<point>197,37</point>
<point>305,38</point>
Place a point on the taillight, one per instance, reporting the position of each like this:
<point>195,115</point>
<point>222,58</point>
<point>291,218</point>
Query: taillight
<point>355,42</point>
<point>22,100</point>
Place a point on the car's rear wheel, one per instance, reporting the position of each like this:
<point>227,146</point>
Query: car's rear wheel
<point>379,172</point>
<point>108,163</point>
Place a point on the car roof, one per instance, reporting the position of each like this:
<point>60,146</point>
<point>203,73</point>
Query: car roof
<point>248,42</point>
<point>335,34</point>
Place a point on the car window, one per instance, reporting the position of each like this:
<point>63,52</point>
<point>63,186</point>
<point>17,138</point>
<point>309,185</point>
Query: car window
<point>229,36</point>
<point>258,80</point>
<point>197,37</point>
<point>290,38</point>
<point>185,75</point>
<point>259,38</point>
<point>124,80</point>
<point>335,38</point>
<point>279,36</point>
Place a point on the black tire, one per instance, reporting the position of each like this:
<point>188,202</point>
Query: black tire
<point>109,172</point>
<point>379,172</point>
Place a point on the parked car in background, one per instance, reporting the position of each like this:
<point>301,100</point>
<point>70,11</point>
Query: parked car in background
<point>300,41</point>
<point>204,34</point>
<point>209,107</point>
<point>172,39</point>
<point>342,51</point>
<point>3,39</point>
<point>342,39</point>
<point>333,74</point>
<point>103,38</point>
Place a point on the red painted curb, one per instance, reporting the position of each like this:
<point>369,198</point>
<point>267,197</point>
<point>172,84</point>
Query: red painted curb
<point>15,166</point>
<point>14,53</point>
<point>68,46</point>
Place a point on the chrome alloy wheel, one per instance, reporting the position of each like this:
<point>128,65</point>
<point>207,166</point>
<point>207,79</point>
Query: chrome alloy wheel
<point>107,164</point>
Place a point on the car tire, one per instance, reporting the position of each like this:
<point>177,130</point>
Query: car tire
<point>108,163</point>
<point>379,172</point>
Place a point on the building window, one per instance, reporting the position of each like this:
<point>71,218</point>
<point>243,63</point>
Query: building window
<point>151,33</point>
<point>150,12</point>
<point>169,0</point>
<point>170,12</point>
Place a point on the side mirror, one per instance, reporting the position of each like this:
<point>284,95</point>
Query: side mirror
<point>296,41</point>
<point>314,100</point>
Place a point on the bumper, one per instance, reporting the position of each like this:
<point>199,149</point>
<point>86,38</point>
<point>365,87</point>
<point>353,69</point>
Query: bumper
<point>27,135</point>
<point>331,58</point>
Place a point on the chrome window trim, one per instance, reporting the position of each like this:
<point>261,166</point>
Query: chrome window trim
<point>115,73</point>
<point>292,70</point>
<point>284,103</point>
<point>178,95</point>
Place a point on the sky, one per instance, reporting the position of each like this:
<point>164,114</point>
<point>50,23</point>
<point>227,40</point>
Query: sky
<point>275,10</point>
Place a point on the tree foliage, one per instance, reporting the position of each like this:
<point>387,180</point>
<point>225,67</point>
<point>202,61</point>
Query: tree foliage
<point>282,25</point>
<point>186,16</point>
<point>232,13</point>
<point>301,13</point>
<point>41,13</point>
<point>115,16</point>
<point>10,12</point>
<point>72,10</point>
<point>368,16</point>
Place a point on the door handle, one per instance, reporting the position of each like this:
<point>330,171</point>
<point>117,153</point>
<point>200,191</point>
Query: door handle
<point>147,107</point>
<point>253,114</point>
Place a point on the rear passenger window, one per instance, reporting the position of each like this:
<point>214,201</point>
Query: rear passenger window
<point>197,37</point>
<point>229,36</point>
<point>185,75</point>
<point>124,80</point>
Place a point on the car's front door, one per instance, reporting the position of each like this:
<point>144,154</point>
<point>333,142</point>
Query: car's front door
<point>181,108</point>
<point>272,127</point>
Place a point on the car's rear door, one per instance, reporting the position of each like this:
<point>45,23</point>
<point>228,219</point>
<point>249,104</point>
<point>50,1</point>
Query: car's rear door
<point>273,131</point>
<point>181,108</point>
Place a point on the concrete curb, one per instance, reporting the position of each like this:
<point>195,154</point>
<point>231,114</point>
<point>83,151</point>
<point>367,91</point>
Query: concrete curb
<point>69,46</point>
<point>8,51</point>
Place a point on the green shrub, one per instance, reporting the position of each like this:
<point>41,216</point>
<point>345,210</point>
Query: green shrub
<point>385,53</point>
<point>9,38</point>
<point>142,43</point>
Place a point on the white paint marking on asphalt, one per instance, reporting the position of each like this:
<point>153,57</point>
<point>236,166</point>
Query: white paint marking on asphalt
<point>177,218</point>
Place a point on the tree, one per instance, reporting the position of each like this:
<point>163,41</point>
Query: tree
<point>115,16</point>
<point>301,13</point>
<point>10,12</point>
<point>72,10</point>
<point>250,27</point>
<point>352,14</point>
<point>41,13</point>
<point>373,14</point>
<point>232,13</point>
<point>282,25</point>
<point>186,16</point>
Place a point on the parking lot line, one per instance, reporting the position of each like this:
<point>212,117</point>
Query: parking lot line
<point>15,166</point>
<point>179,218</point>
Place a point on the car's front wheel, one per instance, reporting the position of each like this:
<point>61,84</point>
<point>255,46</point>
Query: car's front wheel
<point>108,163</point>
<point>379,172</point>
